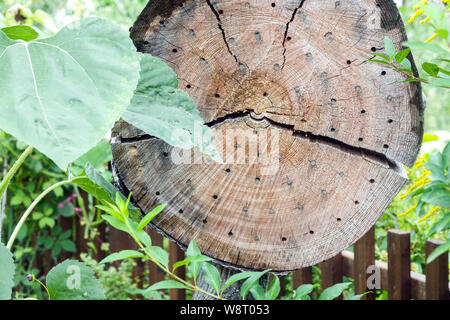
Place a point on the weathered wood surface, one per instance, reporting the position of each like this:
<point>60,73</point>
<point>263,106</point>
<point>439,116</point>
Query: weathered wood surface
<point>337,128</point>
<point>399,262</point>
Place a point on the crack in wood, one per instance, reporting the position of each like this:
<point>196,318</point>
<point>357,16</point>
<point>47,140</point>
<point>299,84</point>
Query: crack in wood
<point>216,14</point>
<point>138,138</point>
<point>287,30</point>
<point>366,154</point>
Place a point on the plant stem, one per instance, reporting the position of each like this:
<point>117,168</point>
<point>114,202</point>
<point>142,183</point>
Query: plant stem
<point>14,169</point>
<point>33,205</point>
<point>174,276</point>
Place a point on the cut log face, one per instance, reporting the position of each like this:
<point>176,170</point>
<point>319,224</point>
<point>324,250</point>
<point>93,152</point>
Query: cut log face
<point>314,138</point>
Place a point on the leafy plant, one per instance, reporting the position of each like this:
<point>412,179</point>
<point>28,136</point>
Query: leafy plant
<point>433,188</point>
<point>436,74</point>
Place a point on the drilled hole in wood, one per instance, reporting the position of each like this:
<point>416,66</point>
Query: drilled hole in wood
<point>180,211</point>
<point>220,11</point>
<point>188,86</point>
<point>373,49</point>
<point>356,202</point>
<point>390,121</point>
<point>161,22</point>
<point>363,111</point>
<point>332,129</point>
<point>258,180</point>
<point>383,73</point>
<point>361,139</point>
<point>288,38</point>
<point>174,50</point>
<point>165,154</point>
<point>230,233</point>
<point>215,196</point>
<point>339,219</point>
<point>205,221</point>
<point>180,5</point>
<point>333,101</point>
<point>228,170</point>
<point>265,94</point>
<point>372,180</point>
<point>146,42</point>
<point>157,193</point>
<point>311,232</point>
<point>273,5</point>
<point>386,146</point>
<point>349,62</point>
<point>217,95</point>
<point>283,239</point>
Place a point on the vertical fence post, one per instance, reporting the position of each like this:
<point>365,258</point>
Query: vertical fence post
<point>332,272</point>
<point>302,276</point>
<point>399,265</point>
<point>364,250</point>
<point>436,273</point>
<point>155,273</point>
<point>176,254</point>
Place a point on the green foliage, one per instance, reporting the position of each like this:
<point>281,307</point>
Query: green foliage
<point>160,109</point>
<point>122,255</point>
<point>73,280</point>
<point>303,291</point>
<point>118,283</point>
<point>20,32</point>
<point>334,291</point>
<point>212,276</point>
<point>58,79</point>
<point>7,273</point>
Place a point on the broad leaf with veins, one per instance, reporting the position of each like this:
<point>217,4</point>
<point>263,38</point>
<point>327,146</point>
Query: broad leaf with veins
<point>62,94</point>
<point>160,109</point>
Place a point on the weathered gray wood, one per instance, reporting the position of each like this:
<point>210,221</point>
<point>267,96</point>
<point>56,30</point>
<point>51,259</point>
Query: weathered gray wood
<point>295,71</point>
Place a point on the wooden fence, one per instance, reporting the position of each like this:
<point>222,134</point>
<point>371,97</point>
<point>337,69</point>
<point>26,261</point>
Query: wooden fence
<point>394,276</point>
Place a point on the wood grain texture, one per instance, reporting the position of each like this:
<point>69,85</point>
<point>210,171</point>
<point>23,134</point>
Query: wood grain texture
<point>296,74</point>
<point>364,250</point>
<point>399,265</point>
<point>436,273</point>
<point>332,272</point>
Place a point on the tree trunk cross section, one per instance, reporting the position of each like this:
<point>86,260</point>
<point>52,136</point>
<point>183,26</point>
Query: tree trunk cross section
<point>339,129</point>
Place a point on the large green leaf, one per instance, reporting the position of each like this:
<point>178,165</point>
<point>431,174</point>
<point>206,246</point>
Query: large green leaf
<point>73,280</point>
<point>62,94</point>
<point>161,110</point>
<point>7,270</point>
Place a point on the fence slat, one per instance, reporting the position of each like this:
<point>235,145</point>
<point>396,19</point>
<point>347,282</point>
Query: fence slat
<point>155,273</point>
<point>399,265</point>
<point>302,276</point>
<point>176,254</point>
<point>332,272</point>
<point>364,250</point>
<point>436,273</point>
